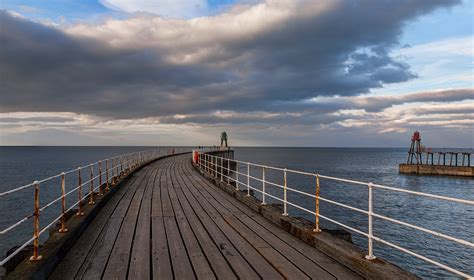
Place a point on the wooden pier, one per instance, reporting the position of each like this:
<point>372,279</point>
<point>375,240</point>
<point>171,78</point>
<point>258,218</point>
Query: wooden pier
<point>169,222</point>
<point>162,215</point>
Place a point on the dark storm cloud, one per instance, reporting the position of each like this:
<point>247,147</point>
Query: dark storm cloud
<point>315,49</point>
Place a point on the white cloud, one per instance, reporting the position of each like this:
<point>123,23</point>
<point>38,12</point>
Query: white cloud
<point>463,46</point>
<point>164,8</point>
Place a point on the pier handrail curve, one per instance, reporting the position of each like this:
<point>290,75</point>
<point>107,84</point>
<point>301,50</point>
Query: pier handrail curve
<point>219,167</point>
<point>124,164</point>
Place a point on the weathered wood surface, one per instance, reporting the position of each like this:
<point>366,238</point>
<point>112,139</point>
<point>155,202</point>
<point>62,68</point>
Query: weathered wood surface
<point>169,222</point>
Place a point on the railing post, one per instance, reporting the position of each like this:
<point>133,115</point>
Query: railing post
<point>63,228</point>
<point>212,166</point>
<point>228,171</point>
<point>128,164</point>
<point>248,179</point>
<point>107,175</point>
<point>91,183</point>
<point>112,171</point>
<point>316,212</point>
<point>117,169</point>
<point>370,255</point>
<point>285,209</point>
<point>79,192</point>
<point>121,166</point>
<point>222,169</point>
<point>215,167</point>
<point>100,179</point>
<point>36,256</point>
<point>203,162</point>
<point>237,175</point>
<point>263,186</point>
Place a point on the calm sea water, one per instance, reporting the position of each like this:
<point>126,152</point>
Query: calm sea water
<point>22,165</point>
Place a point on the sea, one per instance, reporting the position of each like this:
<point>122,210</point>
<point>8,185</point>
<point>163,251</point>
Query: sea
<point>23,165</point>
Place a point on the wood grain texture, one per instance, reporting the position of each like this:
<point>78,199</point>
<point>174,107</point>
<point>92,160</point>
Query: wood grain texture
<point>169,222</point>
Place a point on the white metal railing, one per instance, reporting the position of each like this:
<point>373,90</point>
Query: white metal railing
<point>221,168</point>
<point>114,169</point>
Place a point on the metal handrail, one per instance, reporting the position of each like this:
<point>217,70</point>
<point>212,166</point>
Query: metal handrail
<point>124,164</point>
<point>218,166</point>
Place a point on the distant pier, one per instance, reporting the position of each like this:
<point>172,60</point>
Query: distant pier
<point>447,162</point>
<point>446,170</point>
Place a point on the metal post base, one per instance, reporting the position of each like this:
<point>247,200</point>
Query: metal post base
<point>34,259</point>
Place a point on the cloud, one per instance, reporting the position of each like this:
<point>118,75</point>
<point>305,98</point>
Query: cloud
<point>256,57</point>
<point>299,70</point>
<point>381,102</point>
<point>164,8</point>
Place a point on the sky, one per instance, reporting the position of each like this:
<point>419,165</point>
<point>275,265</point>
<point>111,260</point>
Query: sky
<point>328,73</point>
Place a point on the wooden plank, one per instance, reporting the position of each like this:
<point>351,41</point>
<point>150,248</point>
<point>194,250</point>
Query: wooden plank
<point>281,256</point>
<point>120,257</point>
<point>180,262</point>
<point>198,260</point>
<point>238,263</point>
<point>161,263</point>
<point>270,231</point>
<point>169,222</point>
<point>165,200</point>
<point>97,259</point>
<point>139,267</point>
<point>254,258</point>
<point>121,211</point>
<point>156,208</point>
<point>213,254</point>
<point>73,261</point>
<point>182,268</point>
<point>160,259</point>
<point>94,267</point>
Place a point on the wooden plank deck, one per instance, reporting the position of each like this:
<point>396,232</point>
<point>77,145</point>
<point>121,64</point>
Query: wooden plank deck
<point>169,222</point>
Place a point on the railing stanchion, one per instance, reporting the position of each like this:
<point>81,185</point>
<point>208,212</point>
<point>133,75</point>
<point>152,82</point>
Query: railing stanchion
<point>370,256</point>
<point>36,256</point>
<point>237,175</point>
<point>263,186</point>
<point>79,192</point>
<point>101,193</point>
<point>222,169</point>
<point>248,179</point>
<point>117,169</point>
<point>228,171</point>
<point>121,166</point>
<point>316,212</point>
<point>215,167</point>
<point>107,175</point>
<point>91,183</point>
<point>112,171</point>
<point>285,210</point>
<point>63,228</point>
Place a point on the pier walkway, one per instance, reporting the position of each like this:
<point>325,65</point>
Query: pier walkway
<point>168,222</point>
